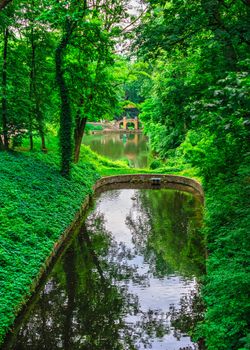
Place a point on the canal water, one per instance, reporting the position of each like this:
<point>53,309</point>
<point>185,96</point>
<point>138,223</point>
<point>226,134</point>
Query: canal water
<point>132,147</point>
<point>128,279</point>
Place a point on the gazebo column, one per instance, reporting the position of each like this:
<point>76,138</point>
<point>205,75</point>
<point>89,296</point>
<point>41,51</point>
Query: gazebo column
<point>136,121</point>
<point>125,123</point>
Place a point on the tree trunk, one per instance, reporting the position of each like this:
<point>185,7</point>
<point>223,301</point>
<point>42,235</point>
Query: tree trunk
<point>78,133</point>
<point>35,111</point>
<point>1,143</point>
<point>31,138</point>
<point>43,143</point>
<point>32,88</point>
<point>39,118</point>
<point>4,87</point>
<point>81,122</point>
<point>65,117</point>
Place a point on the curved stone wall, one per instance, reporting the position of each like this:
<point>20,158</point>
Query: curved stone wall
<point>151,181</point>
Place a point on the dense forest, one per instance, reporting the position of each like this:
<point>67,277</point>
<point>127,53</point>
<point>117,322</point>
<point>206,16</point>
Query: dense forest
<point>185,64</point>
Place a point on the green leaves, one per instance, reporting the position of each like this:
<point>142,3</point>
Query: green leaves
<point>37,204</point>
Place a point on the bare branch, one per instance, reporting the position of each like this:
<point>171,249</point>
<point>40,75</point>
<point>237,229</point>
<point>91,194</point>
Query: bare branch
<point>136,20</point>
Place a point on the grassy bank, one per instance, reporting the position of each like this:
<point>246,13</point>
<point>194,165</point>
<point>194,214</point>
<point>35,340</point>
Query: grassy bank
<point>37,204</point>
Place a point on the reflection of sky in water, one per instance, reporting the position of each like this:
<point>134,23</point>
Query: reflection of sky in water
<point>116,205</point>
<point>158,293</point>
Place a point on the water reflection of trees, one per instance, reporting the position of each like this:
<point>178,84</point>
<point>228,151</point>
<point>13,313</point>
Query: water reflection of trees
<point>189,314</point>
<point>165,228</point>
<point>121,145</point>
<point>81,305</point>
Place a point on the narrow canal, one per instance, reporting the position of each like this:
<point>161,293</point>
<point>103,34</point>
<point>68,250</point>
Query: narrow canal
<point>128,279</point>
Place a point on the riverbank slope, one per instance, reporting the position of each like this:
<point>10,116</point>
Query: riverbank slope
<point>37,204</point>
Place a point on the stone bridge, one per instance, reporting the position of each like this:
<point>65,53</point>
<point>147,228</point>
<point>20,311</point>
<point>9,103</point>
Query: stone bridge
<point>125,121</point>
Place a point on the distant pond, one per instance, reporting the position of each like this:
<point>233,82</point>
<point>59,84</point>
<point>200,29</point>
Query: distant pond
<point>117,146</point>
<point>128,280</point>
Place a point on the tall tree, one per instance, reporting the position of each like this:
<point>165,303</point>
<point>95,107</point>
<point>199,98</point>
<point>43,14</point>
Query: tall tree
<point>66,115</point>
<point>89,33</point>
<point>94,42</point>
<point>4,89</point>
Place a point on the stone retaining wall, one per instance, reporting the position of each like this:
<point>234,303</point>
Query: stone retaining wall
<point>146,181</point>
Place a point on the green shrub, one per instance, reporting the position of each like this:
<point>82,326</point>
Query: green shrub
<point>37,204</point>
<point>155,164</point>
<point>91,127</point>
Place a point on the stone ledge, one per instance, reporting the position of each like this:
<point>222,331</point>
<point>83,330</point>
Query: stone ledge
<point>145,180</point>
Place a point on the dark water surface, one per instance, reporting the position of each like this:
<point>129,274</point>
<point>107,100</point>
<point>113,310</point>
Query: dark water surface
<point>117,146</point>
<point>128,280</point>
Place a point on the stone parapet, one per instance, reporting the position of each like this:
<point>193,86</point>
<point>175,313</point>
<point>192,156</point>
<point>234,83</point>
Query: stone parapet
<point>152,181</point>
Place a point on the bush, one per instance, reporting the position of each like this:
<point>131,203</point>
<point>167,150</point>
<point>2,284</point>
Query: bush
<point>91,127</point>
<point>37,205</point>
<point>155,164</point>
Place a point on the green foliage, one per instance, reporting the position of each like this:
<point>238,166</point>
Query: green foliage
<point>92,127</point>
<point>197,115</point>
<point>194,94</point>
<point>226,291</point>
<point>30,95</point>
<point>155,164</point>
<point>170,242</point>
<point>37,205</point>
<point>83,37</point>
